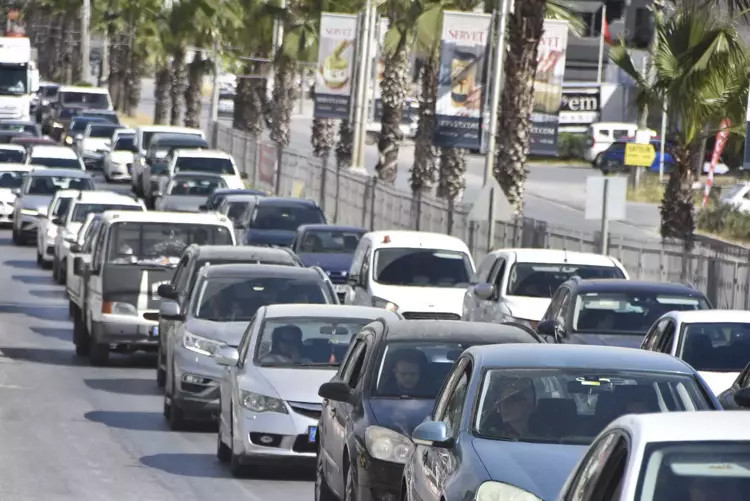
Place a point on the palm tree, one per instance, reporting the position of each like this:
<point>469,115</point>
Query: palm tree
<point>344,145</point>
<point>700,74</point>
<point>422,178</point>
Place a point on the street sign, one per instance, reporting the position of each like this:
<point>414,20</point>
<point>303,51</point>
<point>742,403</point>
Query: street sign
<point>615,200</point>
<point>480,211</point>
<point>639,155</point>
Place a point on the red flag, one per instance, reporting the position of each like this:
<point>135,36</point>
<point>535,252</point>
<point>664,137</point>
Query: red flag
<point>605,30</point>
<point>721,141</point>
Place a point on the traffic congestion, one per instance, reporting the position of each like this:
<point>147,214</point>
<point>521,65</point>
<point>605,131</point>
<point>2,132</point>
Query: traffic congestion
<point>368,365</point>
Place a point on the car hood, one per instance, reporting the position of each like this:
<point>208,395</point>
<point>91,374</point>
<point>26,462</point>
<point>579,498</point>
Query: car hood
<point>538,468</point>
<point>95,143</point>
<point>718,381</point>
<point>35,202</point>
<point>254,236</point>
<point>329,262</point>
<point>527,308</point>
<point>226,332</point>
<point>73,228</point>
<point>7,196</point>
<point>183,203</point>
<point>401,415</point>
<point>122,156</point>
<point>622,340</point>
<point>423,299</point>
<point>296,385</point>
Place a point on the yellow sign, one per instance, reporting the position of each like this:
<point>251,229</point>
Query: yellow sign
<point>639,155</point>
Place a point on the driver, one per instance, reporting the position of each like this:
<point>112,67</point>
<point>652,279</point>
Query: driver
<point>286,346</point>
<point>514,404</point>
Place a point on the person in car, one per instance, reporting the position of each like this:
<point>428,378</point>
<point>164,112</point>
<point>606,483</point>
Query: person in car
<point>514,405</point>
<point>286,346</point>
<point>408,368</point>
<point>311,243</point>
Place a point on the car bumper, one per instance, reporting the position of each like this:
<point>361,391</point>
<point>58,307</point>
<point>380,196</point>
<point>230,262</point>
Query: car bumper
<point>125,329</point>
<point>6,213</point>
<point>286,435</point>
<point>120,171</point>
<point>92,160</point>
<point>378,480</point>
<point>27,224</point>
<point>48,248</point>
<point>196,384</point>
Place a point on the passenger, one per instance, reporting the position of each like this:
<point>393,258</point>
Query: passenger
<point>408,367</point>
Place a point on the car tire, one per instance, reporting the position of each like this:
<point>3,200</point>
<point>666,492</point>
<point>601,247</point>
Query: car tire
<point>57,272</point>
<point>80,336</point>
<point>98,354</point>
<point>38,259</point>
<point>322,491</point>
<point>17,239</point>
<point>223,451</point>
<point>236,468</point>
<point>172,412</point>
<point>350,490</point>
<point>161,374</point>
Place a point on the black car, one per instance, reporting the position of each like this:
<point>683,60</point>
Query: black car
<point>218,196</point>
<point>385,387</point>
<point>192,260</point>
<point>28,128</point>
<point>275,220</point>
<point>613,312</point>
<point>107,115</point>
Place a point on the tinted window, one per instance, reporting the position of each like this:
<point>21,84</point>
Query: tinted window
<point>91,100</point>
<point>80,211</point>
<point>56,163</point>
<point>236,210</point>
<point>63,205</point>
<point>49,91</point>
<point>719,347</point>
<point>79,125</point>
<point>11,179</point>
<point>213,165</point>
<point>195,186</point>
<point>330,241</point>
<point>48,185</point>
<point>28,128</point>
<point>542,280</point>
<point>574,405</point>
<point>12,156</point>
<point>13,80</point>
<point>102,130</point>
<point>418,267</point>
<point>273,217</point>
<point>125,143</point>
<point>160,243</point>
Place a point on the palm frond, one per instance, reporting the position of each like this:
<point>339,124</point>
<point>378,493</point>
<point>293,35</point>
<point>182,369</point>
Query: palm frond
<point>558,9</point>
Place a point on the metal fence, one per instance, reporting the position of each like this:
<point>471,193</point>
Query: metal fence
<point>720,270</point>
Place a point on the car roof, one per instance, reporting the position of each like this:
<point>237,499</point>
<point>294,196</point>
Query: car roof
<point>555,256</point>
<point>90,119</point>
<point>106,197</point>
<point>239,198</point>
<point>67,193</point>
<point>88,90</point>
<point>18,122</point>
<point>4,167</point>
<point>696,426</point>
<point>195,174</point>
<point>259,270</point>
<point>416,239</point>
<point>169,128</point>
<point>182,139</point>
<point>94,112</point>
<point>713,316</point>
<point>103,123</point>
<point>238,191</point>
<point>165,217</point>
<point>240,252</point>
<point>621,285</point>
<point>331,227</point>
<point>456,331</point>
<point>580,356</point>
<point>124,131</point>
<point>49,151</point>
<point>192,153</point>
<point>46,172</point>
<point>281,201</point>
<point>327,310</point>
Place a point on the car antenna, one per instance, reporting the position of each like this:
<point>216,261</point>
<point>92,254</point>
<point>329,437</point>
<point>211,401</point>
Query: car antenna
<point>565,258</point>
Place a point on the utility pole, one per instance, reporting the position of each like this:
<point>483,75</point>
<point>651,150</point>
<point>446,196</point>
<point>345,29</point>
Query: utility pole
<point>489,159</point>
<point>214,117</point>
<point>360,113</point>
<point>85,40</point>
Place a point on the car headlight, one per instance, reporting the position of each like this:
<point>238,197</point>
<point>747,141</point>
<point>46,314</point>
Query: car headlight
<point>29,212</point>
<point>498,491</point>
<point>388,445</point>
<point>51,232</point>
<point>45,102</point>
<point>201,345</point>
<point>68,140</point>
<point>119,308</point>
<point>261,403</point>
<point>378,302</point>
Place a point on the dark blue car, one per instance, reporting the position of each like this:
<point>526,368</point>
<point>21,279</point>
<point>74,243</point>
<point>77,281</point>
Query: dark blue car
<point>330,247</point>
<point>512,421</point>
<point>613,158</point>
<point>274,220</point>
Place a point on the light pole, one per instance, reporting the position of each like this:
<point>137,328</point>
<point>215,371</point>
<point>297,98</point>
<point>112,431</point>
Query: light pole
<point>214,117</point>
<point>85,40</point>
<point>360,114</point>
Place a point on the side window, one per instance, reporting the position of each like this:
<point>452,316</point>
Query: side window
<point>450,383</point>
<point>353,362</point>
<point>609,485</point>
<point>98,249</point>
<point>745,379</point>
<point>496,276</point>
<point>483,271</point>
<point>179,271</point>
<point>591,468</point>
<point>554,304</point>
<point>653,336</point>
<point>365,270</point>
<point>667,338</point>
<point>455,404</point>
<point>562,310</point>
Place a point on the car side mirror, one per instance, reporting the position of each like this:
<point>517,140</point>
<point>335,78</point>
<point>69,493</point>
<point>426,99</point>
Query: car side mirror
<point>79,267</point>
<point>75,248</point>
<point>353,279</point>
<point>337,391</point>
<point>203,208</point>
<point>227,356</point>
<point>58,221</point>
<point>16,191</point>
<point>546,328</point>
<point>170,310</point>
<point>167,291</point>
<point>243,175</point>
<point>484,291</point>
<point>432,434</point>
<point>742,397</point>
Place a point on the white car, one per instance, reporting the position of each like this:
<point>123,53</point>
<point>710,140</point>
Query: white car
<point>143,137</point>
<point>85,203</point>
<point>669,456</point>
<point>118,160</point>
<point>714,342</point>
<point>601,135</point>
<point>54,157</point>
<point>516,285</point>
<point>95,143</point>
<point>418,274</point>
<point>82,247</point>
<point>738,195</point>
<point>45,237</point>
<point>205,161</point>
<point>11,179</point>
<point>12,153</point>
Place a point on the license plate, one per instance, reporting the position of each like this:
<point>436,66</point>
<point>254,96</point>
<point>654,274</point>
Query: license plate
<point>340,288</point>
<point>312,434</point>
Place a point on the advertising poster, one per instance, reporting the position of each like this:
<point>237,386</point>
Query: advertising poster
<point>333,74</point>
<point>550,70</point>
<point>460,94</point>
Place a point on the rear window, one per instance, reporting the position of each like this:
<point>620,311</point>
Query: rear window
<point>126,143</point>
<point>91,100</point>
<point>102,130</point>
<point>49,185</point>
<point>272,217</point>
<point>212,165</point>
<point>57,163</point>
<point>12,156</point>
<point>542,280</point>
<point>11,179</point>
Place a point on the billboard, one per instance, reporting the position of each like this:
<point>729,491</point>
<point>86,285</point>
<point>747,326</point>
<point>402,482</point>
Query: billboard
<point>460,93</point>
<point>550,70</point>
<point>335,68</point>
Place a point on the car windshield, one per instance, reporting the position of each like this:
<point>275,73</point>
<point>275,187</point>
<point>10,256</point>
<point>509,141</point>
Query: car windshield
<point>301,341</point>
<point>195,186</point>
<point>212,165</point>
<point>49,90</point>
<point>90,99</point>
<point>694,471</point>
<point>79,124</point>
<point>125,143</point>
<point>80,211</point>
<point>48,185</point>
<point>160,243</point>
<point>12,156</point>
<point>571,406</point>
<point>28,128</point>
<point>13,78</point>
<point>274,217</point>
<point>330,241</point>
<point>716,346</point>
<point>102,131</point>
<point>417,267</point>
<point>627,312</point>
<point>103,117</point>
<point>56,163</point>
<point>238,298</point>
<point>415,369</point>
<point>11,178</point>
<point>542,280</point>
<point>235,210</point>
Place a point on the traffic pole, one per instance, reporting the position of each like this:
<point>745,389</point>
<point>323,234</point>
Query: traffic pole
<point>85,40</point>
<point>214,116</point>
<point>605,221</point>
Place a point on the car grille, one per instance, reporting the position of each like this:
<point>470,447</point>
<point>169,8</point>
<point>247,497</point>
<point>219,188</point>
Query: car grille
<point>338,277</point>
<point>151,315</point>
<point>427,315</point>
<point>266,439</point>
<point>312,411</point>
<point>302,444</point>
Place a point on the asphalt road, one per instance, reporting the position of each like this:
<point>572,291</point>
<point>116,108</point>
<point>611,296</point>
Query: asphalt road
<point>69,431</point>
<point>554,193</point>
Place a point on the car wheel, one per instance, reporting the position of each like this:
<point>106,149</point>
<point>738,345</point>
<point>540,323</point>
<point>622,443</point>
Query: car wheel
<point>38,258</point>
<point>598,160</point>
<point>17,237</point>
<point>172,412</point>
<point>223,451</point>
<point>350,490</point>
<point>322,491</point>
<point>236,468</point>
<point>80,336</point>
<point>98,354</point>
<point>161,374</point>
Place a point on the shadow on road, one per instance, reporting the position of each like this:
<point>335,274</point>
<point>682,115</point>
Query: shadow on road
<point>34,279</point>
<point>128,386</point>
<point>28,264</point>
<point>48,294</point>
<point>59,313</point>
<point>63,333</point>
<point>129,420</point>
<point>43,356</point>
<point>207,466</point>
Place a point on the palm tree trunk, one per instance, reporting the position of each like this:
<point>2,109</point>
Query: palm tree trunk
<point>67,49</point>
<point>193,99</point>
<point>344,146</point>
<point>676,208</point>
<point>177,85</point>
<point>161,93</point>
<point>451,182</point>
<point>250,101</point>
<point>525,28</point>
<point>423,170</point>
<point>284,91</point>
<point>323,136</point>
<point>393,93</point>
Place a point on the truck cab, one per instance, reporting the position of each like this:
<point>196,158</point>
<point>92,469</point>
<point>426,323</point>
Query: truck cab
<point>19,78</point>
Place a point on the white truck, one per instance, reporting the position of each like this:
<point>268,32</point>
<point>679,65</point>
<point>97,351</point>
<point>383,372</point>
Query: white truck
<point>19,78</point>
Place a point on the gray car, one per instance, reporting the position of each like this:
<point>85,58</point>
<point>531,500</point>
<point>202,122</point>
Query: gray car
<point>512,421</point>
<point>223,302</point>
<point>187,191</point>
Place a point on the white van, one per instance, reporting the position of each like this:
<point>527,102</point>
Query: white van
<point>601,135</point>
<point>417,274</point>
<point>143,137</point>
